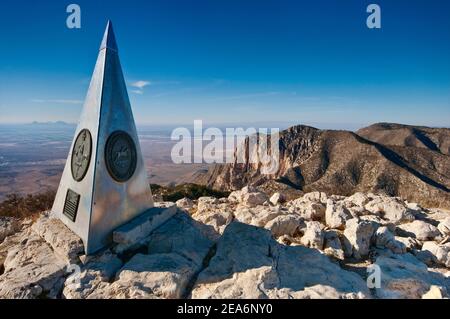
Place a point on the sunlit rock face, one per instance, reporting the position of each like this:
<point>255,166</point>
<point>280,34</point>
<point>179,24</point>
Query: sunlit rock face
<point>232,248</point>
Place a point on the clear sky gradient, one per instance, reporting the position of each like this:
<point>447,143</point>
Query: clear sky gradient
<point>233,61</point>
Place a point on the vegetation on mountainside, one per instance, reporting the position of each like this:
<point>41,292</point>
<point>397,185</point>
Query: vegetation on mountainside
<point>26,206</point>
<point>22,206</point>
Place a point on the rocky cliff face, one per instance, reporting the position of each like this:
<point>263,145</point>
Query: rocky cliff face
<point>314,246</point>
<point>339,162</point>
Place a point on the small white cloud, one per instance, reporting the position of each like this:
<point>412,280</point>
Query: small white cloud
<point>140,84</point>
<point>137,91</point>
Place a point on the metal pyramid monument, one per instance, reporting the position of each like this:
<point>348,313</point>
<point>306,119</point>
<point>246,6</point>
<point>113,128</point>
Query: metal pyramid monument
<point>104,183</point>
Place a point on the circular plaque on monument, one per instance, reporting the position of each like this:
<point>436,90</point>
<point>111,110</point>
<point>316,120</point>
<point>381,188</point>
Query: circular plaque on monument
<point>81,155</point>
<point>120,156</point>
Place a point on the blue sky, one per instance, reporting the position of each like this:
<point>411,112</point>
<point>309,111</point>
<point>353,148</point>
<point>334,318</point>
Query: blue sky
<point>233,61</point>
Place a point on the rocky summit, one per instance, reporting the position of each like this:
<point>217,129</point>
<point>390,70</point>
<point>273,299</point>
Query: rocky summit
<point>249,245</point>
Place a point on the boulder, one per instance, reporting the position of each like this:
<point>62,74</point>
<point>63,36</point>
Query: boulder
<point>309,210</point>
<point>419,230</point>
<point>31,269</point>
<point>336,215</point>
<point>358,199</point>
<point>314,235</point>
<point>218,217</point>
<point>317,197</point>
<point>359,235</point>
<point>183,236</point>
<point>440,252</point>
<point>285,225</point>
<point>248,196</point>
<point>277,198</point>
<point>254,199</point>
<point>149,276</point>
<point>8,226</point>
<point>185,203</point>
<point>205,203</point>
<point>333,246</point>
<point>176,252</point>
<point>435,292</point>
<point>391,208</point>
<point>259,267</point>
<point>131,234</point>
<point>385,238</point>
<point>257,216</point>
<point>444,227</point>
<point>405,277</point>
<point>95,273</point>
<point>409,242</point>
<point>65,243</point>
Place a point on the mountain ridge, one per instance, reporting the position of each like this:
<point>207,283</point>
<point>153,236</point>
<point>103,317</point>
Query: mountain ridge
<point>343,162</point>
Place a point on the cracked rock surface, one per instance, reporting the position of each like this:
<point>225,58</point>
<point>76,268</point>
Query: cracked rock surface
<point>244,246</point>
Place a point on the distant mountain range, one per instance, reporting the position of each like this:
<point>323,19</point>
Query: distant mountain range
<point>56,123</point>
<point>399,160</point>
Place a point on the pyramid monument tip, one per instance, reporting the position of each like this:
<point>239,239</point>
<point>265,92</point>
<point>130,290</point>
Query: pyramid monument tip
<point>109,39</point>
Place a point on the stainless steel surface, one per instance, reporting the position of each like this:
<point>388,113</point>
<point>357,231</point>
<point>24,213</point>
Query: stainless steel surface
<point>104,203</point>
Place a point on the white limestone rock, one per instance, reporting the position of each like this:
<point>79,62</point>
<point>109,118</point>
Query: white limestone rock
<point>254,199</point>
<point>314,235</point>
<point>261,268</point>
<point>135,231</point>
<point>441,252</point>
<point>385,238</point>
<point>8,226</point>
<point>149,276</point>
<point>205,203</point>
<point>218,217</point>
<point>358,199</point>
<point>185,203</point>
<point>285,225</point>
<point>317,197</point>
<point>420,230</point>
<point>257,216</point>
<point>359,235</point>
<point>435,292</point>
<point>248,196</point>
<point>176,252</point>
<point>405,277</point>
<point>31,269</point>
<point>277,198</point>
<point>309,210</point>
<point>97,271</point>
<point>391,209</point>
<point>333,246</point>
<point>65,243</point>
<point>409,242</point>
<point>444,227</point>
<point>183,236</point>
<point>336,215</point>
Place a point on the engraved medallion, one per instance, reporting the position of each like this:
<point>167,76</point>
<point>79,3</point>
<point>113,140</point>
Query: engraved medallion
<point>120,156</point>
<point>81,155</point>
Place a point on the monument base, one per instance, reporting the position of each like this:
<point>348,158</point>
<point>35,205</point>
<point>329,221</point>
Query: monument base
<point>135,231</point>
